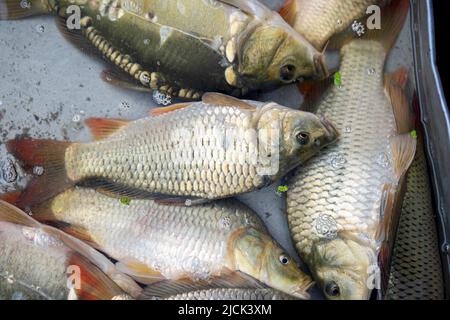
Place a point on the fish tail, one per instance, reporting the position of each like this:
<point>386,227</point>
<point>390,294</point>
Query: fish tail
<point>46,160</point>
<point>19,9</point>
<point>392,17</point>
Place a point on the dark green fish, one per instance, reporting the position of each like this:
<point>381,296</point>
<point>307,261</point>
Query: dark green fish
<point>183,47</point>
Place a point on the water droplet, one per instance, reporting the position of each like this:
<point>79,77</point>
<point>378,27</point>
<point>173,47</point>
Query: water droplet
<point>76,118</point>
<point>9,171</point>
<point>371,71</point>
<point>1,102</point>
<point>348,129</point>
<point>337,160</point>
<point>10,279</point>
<point>225,223</point>
<point>82,112</point>
<point>40,28</point>
<point>161,98</point>
<point>125,105</point>
<point>383,160</point>
<point>38,170</point>
<point>358,28</point>
<point>339,22</point>
<point>146,42</point>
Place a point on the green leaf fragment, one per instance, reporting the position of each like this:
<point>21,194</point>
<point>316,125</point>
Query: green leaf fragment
<point>337,79</point>
<point>125,201</point>
<point>283,188</point>
<point>414,134</point>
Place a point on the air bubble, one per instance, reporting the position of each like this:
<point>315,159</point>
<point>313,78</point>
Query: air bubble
<point>9,172</point>
<point>383,160</point>
<point>348,129</point>
<point>146,42</point>
<point>339,22</point>
<point>125,105</point>
<point>40,28</point>
<point>161,98</point>
<point>337,161</point>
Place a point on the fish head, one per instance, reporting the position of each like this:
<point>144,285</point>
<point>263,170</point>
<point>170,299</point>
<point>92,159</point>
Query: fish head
<point>274,54</point>
<point>304,135</point>
<point>259,256</point>
<point>342,268</point>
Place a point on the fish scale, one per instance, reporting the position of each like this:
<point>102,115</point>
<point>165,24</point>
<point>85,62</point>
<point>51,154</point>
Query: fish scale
<point>165,169</point>
<point>342,205</point>
<point>319,20</point>
<point>221,243</point>
<point>48,272</point>
<point>355,187</point>
<point>226,294</point>
<point>167,238</point>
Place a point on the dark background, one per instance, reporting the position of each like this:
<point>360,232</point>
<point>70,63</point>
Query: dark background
<point>442,32</point>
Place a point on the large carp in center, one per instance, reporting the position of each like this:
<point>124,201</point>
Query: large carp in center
<point>183,47</point>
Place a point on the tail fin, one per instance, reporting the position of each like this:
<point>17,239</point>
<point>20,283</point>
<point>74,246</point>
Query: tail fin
<point>49,156</point>
<point>19,9</point>
<point>393,18</point>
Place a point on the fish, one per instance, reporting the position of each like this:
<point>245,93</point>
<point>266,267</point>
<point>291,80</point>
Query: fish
<point>182,48</point>
<point>342,206</point>
<point>319,20</point>
<point>416,270</point>
<point>38,262</point>
<point>222,243</point>
<point>224,294</point>
<point>184,154</point>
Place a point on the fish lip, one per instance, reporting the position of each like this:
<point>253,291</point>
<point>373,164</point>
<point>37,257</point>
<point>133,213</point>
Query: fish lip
<point>333,133</point>
<point>301,291</point>
<point>321,66</point>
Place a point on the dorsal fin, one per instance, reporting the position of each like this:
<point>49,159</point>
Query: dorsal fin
<point>163,110</point>
<point>223,100</point>
<point>102,128</point>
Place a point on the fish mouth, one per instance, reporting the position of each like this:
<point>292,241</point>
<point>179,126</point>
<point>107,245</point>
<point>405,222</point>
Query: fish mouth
<point>321,66</point>
<point>300,291</point>
<point>332,133</point>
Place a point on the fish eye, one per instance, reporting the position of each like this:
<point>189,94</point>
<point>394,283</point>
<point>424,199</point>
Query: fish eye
<point>332,289</point>
<point>302,138</point>
<point>287,73</point>
<point>283,259</point>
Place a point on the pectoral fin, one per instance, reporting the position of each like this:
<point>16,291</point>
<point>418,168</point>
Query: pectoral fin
<point>139,271</point>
